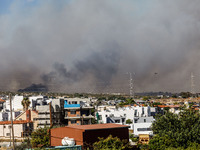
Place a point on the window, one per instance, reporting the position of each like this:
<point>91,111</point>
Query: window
<point>73,111</point>
<point>7,134</point>
<point>144,120</point>
<point>135,112</point>
<point>144,129</point>
<point>100,117</point>
<point>142,110</point>
<point>74,102</point>
<point>135,120</point>
<point>73,121</point>
<point>117,121</point>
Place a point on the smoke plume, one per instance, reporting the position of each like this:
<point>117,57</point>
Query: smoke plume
<point>89,46</point>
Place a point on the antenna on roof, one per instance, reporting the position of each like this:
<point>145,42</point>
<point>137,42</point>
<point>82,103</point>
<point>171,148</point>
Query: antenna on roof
<point>132,94</point>
<point>192,84</point>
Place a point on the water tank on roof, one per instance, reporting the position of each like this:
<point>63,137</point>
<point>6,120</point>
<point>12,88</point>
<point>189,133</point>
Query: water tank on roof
<point>66,141</point>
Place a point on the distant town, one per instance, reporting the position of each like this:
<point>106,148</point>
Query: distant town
<point>66,119</point>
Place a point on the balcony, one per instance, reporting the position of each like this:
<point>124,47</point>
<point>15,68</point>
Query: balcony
<point>71,105</point>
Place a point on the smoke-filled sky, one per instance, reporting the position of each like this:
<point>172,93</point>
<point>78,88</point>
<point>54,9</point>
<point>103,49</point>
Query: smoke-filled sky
<point>91,45</point>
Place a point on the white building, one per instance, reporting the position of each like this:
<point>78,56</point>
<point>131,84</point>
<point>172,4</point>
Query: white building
<point>127,112</point>
<point>16,103</point>
<point>81,101</point>
<point>142,125</point>
<point>21,128</point>
<point>135,113</point>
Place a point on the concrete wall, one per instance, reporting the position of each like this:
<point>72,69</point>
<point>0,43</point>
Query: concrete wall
<point>5,130</point>
<point>78,100</point>
<point>43,115</point>
<point>139,126</point>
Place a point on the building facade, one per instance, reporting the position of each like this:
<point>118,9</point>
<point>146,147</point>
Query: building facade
<point>78,112</point>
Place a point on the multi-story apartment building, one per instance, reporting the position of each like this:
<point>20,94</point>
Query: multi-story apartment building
<point>78,112</point>
<point>53,113</point>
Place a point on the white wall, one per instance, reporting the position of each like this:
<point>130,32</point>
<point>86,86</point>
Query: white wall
<point>34,98</point>
<point>136,126</point>
<point>16,103</point>
<point>127,112</point>
<point>5,130</point>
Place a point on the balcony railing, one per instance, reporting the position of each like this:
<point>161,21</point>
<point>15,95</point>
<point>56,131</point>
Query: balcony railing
<point>71,105</point>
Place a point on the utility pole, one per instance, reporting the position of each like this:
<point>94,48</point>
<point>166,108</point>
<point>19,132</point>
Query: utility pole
<point>11,118</point>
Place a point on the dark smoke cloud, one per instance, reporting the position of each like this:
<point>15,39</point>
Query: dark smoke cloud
<point>101,66</point>
<point>90,45</point>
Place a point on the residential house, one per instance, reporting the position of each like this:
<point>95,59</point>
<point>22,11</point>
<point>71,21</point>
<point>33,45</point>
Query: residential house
<point>21,128</point>
<point>142,125</point>
<point>30,115</point>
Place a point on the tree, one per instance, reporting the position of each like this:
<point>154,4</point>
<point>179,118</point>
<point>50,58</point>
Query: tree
<point>174,130</point>
<point>40,137</point>
<point>174,96</point>
<point>25,103</point>
<point>128,121</point>
<point>111,143</point>
<point>185,94</point>
<point>145,98</point>
<point>155,104</point>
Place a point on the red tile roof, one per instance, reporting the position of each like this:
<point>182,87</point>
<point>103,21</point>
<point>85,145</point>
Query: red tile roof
<point>2,100</point>
<point>97,126</point>
<point>15,122</point>
<point>162,106</point>
<point>173,106</point>
<point>170,106</point>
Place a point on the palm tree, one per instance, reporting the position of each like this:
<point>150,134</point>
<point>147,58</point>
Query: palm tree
<point>25,103</point>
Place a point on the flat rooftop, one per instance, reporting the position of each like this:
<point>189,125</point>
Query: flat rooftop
<point>97,126</point>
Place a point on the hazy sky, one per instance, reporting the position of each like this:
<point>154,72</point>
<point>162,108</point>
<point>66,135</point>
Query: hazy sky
<point>90,45</point>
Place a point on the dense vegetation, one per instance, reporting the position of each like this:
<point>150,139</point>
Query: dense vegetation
<point>111,143</point>
<point>40,137</point>
<point>176,131</point>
